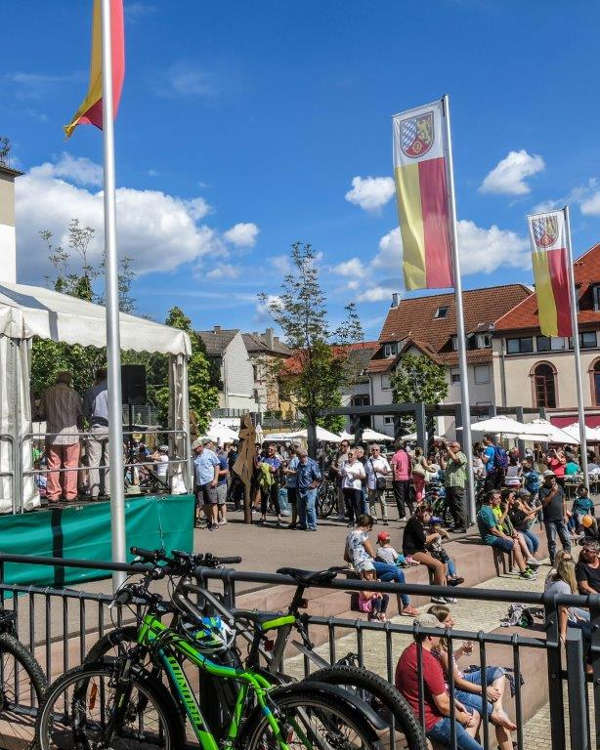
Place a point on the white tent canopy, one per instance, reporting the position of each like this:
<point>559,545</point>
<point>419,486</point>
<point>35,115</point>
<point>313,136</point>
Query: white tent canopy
<point>552,433</point>
<point>323,436</point>
<point>221,433</point>
<point>371,436</point>
<point>504,425</point>
<point>28,311</point>
<point>591,435</point>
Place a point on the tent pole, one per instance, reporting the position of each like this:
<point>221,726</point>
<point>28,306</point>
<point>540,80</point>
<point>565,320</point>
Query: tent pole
<point>113,342</point>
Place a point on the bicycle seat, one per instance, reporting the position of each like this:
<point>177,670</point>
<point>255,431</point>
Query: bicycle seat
<point>309,577</point>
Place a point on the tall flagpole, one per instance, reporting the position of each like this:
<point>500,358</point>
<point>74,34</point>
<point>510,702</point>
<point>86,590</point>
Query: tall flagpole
<point>576,350</point>
<point>460,323</point>
<point>113,339</point>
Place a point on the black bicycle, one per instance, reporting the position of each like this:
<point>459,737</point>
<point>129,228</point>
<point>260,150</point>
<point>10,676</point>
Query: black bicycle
<point>22,686</point>
<point>326,498</point>
<point>397,725</point>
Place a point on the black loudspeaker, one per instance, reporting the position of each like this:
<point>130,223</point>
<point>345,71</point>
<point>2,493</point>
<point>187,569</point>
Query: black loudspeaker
<point>133,384</point>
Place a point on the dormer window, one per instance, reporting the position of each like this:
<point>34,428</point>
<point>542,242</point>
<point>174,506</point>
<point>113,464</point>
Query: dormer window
<point>596,297</point>
<point>484,340</point>
<point>390,350</point>
<point>441,312</point>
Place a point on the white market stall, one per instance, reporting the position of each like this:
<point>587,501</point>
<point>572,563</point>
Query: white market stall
<point>592,435</point>
<point>552,433</point>
<point>28,311</point>
<point>371,436</point>
<point>503,425</point>
<point>221,433</point>
<point>323,436</point>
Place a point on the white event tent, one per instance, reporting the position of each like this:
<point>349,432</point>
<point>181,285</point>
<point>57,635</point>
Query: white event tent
<point>592,435</point>
<point>323,436</point>
<point>28,311</point>
<point>503,425</point>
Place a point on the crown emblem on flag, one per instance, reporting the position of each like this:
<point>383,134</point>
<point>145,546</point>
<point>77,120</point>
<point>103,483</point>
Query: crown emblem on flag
<point>545,231</point>
<point>416,134</point>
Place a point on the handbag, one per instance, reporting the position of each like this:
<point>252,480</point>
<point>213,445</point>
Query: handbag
<point>418,470</point>
<point>380,483</point>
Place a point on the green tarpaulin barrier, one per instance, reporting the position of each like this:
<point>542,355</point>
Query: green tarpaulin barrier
<point>83,531</point>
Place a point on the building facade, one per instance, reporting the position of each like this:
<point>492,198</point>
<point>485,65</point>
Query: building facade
<point>534,370</point>
<point>265,351</point>
<point>426,326</point>
<point>226,348</point>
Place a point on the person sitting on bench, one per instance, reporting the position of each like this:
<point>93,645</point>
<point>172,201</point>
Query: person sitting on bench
<point>491,533</point>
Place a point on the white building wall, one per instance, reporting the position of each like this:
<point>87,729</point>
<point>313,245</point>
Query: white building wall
<point>238,376</point>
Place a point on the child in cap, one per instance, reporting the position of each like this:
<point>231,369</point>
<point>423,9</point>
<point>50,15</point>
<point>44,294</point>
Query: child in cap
<point>387,554</point>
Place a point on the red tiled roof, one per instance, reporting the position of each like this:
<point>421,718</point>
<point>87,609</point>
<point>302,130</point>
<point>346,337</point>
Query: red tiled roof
<point>524,316</point>
<point>359,350</point>
<point>414,320</point>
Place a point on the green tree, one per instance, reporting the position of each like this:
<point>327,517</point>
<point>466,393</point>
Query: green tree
<point>321,365</point>
<point>418,378</point>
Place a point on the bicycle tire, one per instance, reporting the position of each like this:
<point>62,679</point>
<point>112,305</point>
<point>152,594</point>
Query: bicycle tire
<point>362,678</point>
<point>256,734</point>
<point>327,500</point>
<point>162,701</point>
<point>9,644</point>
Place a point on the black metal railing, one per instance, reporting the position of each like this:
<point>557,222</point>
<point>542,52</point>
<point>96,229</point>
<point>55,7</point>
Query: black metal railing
<point>60,625</point>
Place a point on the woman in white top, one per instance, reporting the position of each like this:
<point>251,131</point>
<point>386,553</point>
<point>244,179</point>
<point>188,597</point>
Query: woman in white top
<point>353,472</point>
<point>514,470</point>
<point>378,468</point>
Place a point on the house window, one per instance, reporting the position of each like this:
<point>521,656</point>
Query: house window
<point>255,372</point>
<point>596,295</point>
<point>455,376</point>
<point>543,343</point>
<point>482,374</point>
<point>441,312</point>
<point>519,346</point>
<point>385,383</point>
<point>587,340</point>
<point>596,382</point>
<point>454,343</point>
<point>544,384</point>
<point>484,341</point>
<point>388,420</point>
<point>390,350</point>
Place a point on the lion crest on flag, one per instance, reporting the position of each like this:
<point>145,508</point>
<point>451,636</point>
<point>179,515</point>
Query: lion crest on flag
<point>416,134</point>
<point>545,231</point>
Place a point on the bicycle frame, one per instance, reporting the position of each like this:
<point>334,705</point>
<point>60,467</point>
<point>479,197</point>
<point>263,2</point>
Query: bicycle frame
<point>167,645</point>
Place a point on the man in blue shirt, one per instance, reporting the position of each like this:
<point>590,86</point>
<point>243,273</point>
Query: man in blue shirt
<point>206,478</point>
<point>308,477</point>
<point>291,483</point>
<point>274,462</point>
<point>489,459</point>
<point>491,532</point>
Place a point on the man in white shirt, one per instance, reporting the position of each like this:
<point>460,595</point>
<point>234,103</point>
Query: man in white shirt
<point>378,468</point>
<point>353,473</point>
<point>338,466</point>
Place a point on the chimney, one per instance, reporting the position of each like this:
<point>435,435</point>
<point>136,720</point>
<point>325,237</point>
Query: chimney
<point>8,242</point>
<point>216,329</point>
<point>269,338</point>
<point>395,299</point>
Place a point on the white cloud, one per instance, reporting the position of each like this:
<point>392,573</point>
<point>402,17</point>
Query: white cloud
<point>197,208</point>
<point>370,193</point>
<point>508,176</point>
<point>354,284</point>
<point>352,267</point>
<point>482,250</point>
<point>135,10</point>
<point>159,231</point>
<point>591,206</point>
<point>224,271</point>
<point>243,234</point>
<point>376,294</point>
<point>81,170</point>
<point>281,263</point>
<point>37,85</point>
<point>262,308</point>
<point>186,79</point>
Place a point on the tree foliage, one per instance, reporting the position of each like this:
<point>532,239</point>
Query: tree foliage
<point>418,378</point>
<point>320,368</point>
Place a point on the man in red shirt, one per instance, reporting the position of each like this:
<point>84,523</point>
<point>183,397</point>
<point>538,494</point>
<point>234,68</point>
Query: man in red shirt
<point>400,464</point>
<point>436,700</point>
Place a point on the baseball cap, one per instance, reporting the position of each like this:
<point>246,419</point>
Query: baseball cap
<point>383,536</point>
<point>196,444</point>
<point>206,441</point>
<point>549,473</point>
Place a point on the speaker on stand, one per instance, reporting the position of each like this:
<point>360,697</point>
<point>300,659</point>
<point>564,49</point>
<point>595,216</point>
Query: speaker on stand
<point>133,393</point>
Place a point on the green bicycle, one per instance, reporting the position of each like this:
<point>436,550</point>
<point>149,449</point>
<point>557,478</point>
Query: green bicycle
<point>120,704</point>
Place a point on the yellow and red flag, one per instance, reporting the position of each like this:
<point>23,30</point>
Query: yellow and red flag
<point>90,111</point>
<point>423,196</point>
<point>550,256</point>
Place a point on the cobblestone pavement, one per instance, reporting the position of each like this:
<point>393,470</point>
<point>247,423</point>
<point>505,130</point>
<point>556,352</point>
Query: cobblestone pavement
<point>470,616</point>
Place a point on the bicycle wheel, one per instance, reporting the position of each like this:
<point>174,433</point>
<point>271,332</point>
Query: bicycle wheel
<point>327,499</point>
<point>305,716</point>
<point>384,698</point>
<point>79,712</point>
<point>22,687</point>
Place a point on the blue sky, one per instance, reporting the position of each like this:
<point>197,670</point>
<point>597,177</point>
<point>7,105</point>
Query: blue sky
<point>243,125</point>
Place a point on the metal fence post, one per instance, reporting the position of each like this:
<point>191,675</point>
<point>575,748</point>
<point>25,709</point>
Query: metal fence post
<point>553,655</point>
<point>594,604</point>
<point>421,426</point>
<point>578,700</point>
